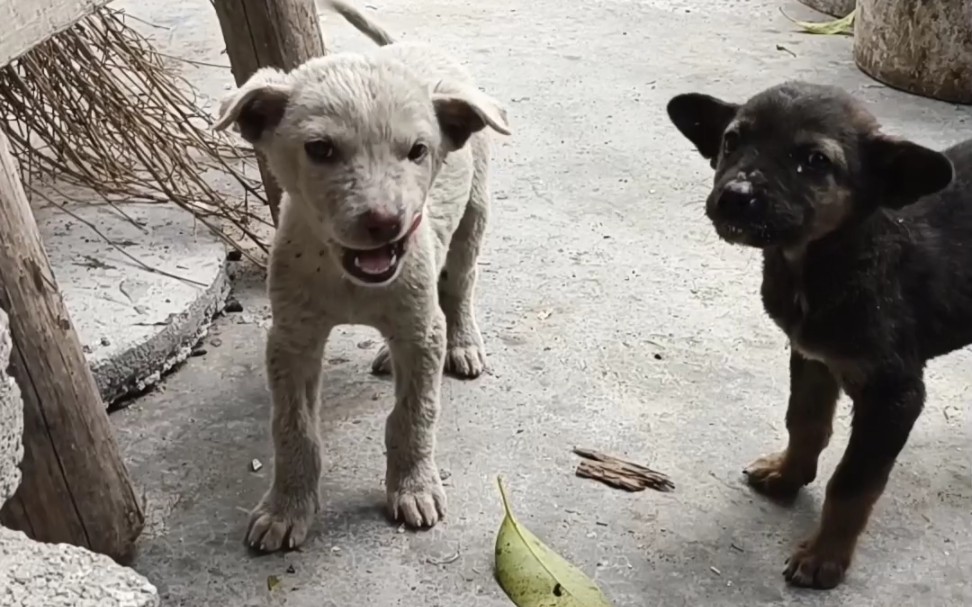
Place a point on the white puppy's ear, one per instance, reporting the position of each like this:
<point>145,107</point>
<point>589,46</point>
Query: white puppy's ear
<point>256,107</point>
<point>464,110</point>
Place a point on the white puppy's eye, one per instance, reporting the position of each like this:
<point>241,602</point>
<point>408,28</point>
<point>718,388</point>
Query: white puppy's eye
<point>320,150</point>
<point>418,152</point>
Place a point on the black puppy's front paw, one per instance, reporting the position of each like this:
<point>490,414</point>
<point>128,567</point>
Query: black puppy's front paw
<point>777,476</point>
<point>818,564</point>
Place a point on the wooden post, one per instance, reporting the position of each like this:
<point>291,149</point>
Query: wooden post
<point>75,487</point>
<point>922,47</point>
<point>269,33</point>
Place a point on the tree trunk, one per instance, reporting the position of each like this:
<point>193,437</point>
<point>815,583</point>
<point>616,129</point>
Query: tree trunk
<point>834,8</point>
<point>75,488</point>
<point>919,46</point>
<point>269,33</point>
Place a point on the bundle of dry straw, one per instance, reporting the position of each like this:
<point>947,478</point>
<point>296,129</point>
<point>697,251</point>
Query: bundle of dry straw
<point>96,115</point>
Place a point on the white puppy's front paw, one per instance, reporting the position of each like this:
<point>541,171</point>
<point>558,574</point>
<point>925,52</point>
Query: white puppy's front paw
<point>465,361</point>
<point>417,498</point>
<point>280,522</point>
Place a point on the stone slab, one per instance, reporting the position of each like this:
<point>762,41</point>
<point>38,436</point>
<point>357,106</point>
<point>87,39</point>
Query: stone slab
<point>140,306</point>
<point>33,574</point>
<point>11,419</point>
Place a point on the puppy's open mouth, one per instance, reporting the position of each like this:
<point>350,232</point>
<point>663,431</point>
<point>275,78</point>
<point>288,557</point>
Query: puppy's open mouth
<point>747,236</point>
<point>380,265</point>
<point>730,232</point>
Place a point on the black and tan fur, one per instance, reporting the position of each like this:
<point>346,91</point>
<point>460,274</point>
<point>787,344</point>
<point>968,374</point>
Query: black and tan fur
<point>867,246</point>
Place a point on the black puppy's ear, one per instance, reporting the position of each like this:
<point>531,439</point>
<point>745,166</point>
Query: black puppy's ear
<point>902,171</point>
<point>702,119</point>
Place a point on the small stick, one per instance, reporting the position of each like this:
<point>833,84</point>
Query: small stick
<point>619,473</point>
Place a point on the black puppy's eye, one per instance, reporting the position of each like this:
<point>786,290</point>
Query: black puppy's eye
<point>730,142</point>
<point>818,161</point>
<point>320,150</point>
<point>418,152</point>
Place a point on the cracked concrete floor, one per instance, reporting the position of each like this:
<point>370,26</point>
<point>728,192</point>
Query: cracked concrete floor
<point>614,319</point>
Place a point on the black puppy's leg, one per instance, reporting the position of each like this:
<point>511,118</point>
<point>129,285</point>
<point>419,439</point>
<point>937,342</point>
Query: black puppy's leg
<point>813,398</point>
<point>884,412</point>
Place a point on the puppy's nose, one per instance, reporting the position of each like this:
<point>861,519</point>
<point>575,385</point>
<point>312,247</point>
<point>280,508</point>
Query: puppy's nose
<point>382,226</point>
<point>738,197</point>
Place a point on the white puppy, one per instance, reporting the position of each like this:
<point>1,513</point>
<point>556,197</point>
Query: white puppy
<point>383,158</point>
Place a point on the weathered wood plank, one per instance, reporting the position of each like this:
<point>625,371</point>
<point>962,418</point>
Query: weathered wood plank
<point>75,488</point>
<point>26,23</point>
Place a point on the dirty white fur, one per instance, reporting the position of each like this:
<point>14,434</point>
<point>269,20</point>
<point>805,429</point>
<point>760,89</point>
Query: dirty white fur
<point>374,107</point>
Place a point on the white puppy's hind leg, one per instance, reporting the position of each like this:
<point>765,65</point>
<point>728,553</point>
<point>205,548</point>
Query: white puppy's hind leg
<point>294,356</point>
<point>415,492</point>
<point>382,364</point>
<point>466,355</point>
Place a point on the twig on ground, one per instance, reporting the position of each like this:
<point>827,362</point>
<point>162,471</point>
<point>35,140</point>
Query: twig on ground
<point>619,473</point>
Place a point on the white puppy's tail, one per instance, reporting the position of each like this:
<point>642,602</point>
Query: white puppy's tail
<point>358,19</point>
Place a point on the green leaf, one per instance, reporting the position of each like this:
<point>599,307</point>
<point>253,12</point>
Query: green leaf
<point>533,575</point>
<point>844,25</point>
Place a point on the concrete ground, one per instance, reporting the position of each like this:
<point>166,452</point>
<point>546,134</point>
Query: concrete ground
<point>614,319</point>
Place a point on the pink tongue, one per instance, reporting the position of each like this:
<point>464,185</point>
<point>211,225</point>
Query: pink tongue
<point>374,262</point>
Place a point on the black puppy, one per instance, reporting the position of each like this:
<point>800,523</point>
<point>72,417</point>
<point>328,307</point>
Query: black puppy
<point>867,247</point>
